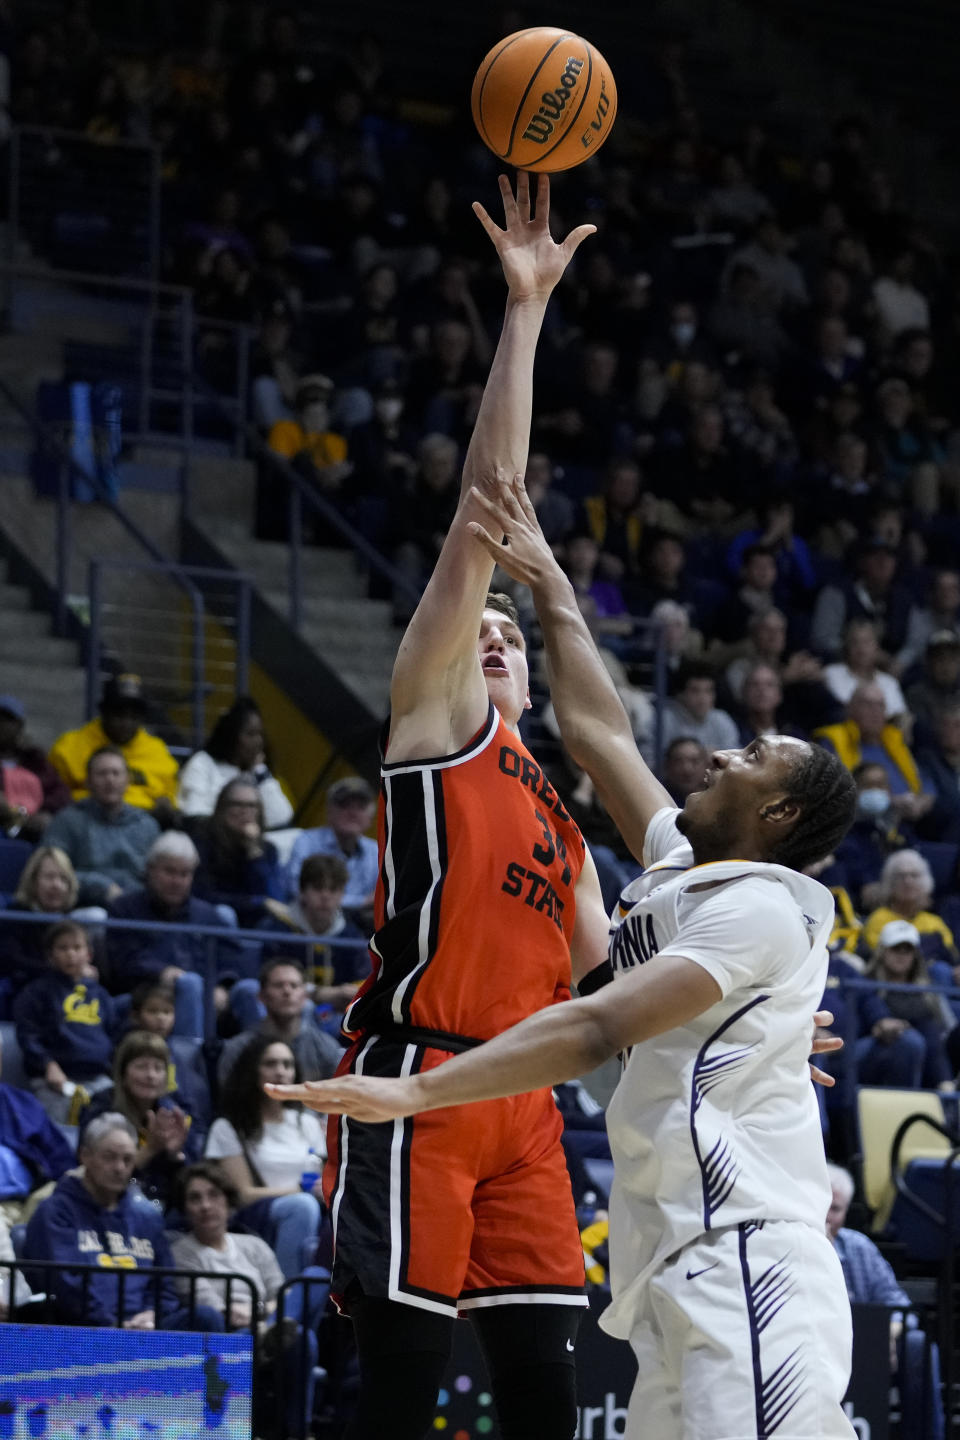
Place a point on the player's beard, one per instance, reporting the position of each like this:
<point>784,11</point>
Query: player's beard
<point>708,835</point>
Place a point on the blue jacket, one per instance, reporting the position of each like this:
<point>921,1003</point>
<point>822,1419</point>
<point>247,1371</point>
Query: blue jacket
<point>134,955</point>
<point>27,1130</point>
<point>68,1021</point>
<point>71,1228</point>
<point>235,880</point>
<point>944,819</point>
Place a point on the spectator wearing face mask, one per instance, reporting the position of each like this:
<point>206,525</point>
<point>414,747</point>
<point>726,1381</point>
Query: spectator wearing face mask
<point>877,833</point>
<point>383,448</point>
<point>309,443</point>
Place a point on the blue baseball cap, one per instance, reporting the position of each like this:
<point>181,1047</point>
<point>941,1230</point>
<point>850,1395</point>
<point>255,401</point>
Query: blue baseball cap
<point>10,705</point>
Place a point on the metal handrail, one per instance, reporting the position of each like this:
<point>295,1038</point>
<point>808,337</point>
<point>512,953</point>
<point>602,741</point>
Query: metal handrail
<point>184,576</point>
<point>212,935</point>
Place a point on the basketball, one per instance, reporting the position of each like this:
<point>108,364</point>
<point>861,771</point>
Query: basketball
<point>544,99</point>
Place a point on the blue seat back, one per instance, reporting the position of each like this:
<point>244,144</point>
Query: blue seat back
<point>11,1057</point>
<point>14,854</point>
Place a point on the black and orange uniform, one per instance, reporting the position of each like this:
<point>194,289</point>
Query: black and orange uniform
<point>468,1206</point>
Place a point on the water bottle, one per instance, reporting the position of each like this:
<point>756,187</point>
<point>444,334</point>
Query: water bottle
<point>312,1171</point>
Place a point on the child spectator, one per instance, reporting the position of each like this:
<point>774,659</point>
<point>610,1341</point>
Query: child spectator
<point>64,1024</point>
<point>153,1010</point>
<point>167,1135</point>
<point>235,746</point>
<point>48,886</point>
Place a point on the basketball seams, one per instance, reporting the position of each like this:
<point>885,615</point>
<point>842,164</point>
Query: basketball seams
<point>530,84</point>
<point>576,114</point>
<point>504,71</point>
<point>478,91</point>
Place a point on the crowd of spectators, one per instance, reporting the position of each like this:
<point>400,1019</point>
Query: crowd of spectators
<point>745,449</point>
<point>136,1122</point>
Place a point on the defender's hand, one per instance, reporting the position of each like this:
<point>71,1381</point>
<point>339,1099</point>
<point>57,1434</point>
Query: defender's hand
<point>524,553</point>
<point>823,1042</point>
<point>532,260</point>
<point>363,1097</point>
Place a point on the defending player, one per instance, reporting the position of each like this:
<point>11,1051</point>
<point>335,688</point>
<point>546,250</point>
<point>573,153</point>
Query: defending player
<point>486,894</point>
<point>723,1280</point>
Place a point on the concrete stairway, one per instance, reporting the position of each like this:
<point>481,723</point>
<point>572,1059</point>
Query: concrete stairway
<point>351,632</point>
<point>44,672</point>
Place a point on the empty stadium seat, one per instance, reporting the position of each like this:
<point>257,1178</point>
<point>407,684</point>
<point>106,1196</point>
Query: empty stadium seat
<point>880,1113</point>
<point>11,1057</point>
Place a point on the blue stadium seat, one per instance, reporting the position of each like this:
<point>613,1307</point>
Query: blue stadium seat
<point>601,1176</point>
<point>14,854</point>
<point>11,1057</point>
<point>942,859</point>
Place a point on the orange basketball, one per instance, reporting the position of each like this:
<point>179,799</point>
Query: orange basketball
<point>544,99</point>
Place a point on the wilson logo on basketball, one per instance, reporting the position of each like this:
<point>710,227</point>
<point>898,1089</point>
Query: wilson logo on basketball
<point>552,103</point>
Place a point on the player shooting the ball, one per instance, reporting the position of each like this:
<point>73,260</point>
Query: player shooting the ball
<point>718,962</point>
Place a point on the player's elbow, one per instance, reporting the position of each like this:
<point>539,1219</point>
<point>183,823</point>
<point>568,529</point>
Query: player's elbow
<point>597,1032</point>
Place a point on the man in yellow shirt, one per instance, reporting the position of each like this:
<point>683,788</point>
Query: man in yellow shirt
<point>153,770</point>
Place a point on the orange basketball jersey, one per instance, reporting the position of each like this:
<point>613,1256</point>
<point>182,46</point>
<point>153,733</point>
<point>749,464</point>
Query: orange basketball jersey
<point>475,899</point>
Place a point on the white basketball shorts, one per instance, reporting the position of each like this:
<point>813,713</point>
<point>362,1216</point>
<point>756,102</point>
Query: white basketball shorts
<point>744,1335</point>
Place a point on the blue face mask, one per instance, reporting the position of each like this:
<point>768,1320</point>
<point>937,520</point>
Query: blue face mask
<point>874,802</point>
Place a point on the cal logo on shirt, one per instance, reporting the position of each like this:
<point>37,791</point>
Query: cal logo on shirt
<point>78,1010</point>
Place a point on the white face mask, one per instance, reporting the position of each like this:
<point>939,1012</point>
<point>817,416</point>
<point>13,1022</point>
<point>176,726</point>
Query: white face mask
<point>684,332</point>
<point>874,802</point>
<point>316,416</point>
<point>389,410</point>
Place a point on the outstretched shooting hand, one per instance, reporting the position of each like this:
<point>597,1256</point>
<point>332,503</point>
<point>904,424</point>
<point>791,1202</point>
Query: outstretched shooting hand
<point>532,260</point>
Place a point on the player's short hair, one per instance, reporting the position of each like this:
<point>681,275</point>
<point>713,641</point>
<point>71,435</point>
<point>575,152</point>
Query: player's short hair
<point>826,795</point>
<point>323,872</point>
<point>501,602</point>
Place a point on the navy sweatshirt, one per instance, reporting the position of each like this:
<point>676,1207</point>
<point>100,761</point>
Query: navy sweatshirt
<point>68,1021</point>
<point>71,1228</point>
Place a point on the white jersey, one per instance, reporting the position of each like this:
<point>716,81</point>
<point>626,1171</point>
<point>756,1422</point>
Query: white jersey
<point>715,1123</point>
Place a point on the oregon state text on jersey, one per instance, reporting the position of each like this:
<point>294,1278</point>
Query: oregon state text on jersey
<point>475,898</point>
